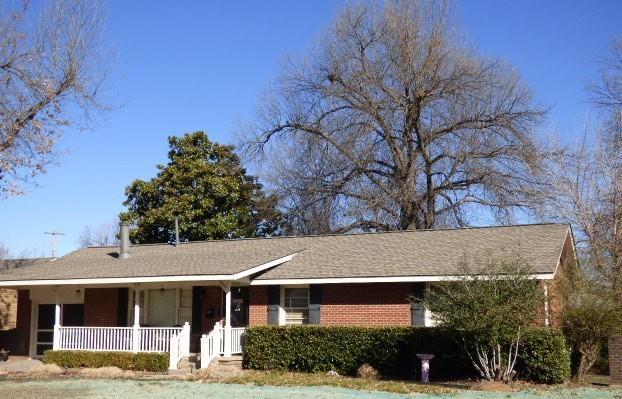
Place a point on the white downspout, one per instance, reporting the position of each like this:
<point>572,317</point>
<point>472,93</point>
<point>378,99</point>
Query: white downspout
<point>546,303</point>
<point>227,352</point>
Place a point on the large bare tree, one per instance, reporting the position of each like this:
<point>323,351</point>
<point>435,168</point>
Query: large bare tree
<point>394,122</point>
<point>51,70</point>
<point>104,235</point>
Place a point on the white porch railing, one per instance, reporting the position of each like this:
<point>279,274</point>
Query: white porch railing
<point>210,346</point>
<point>237,335</point>
<point>130,339</point>
<point>179,346</point>
<point>213,344</point>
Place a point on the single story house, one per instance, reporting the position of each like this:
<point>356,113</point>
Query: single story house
<point>165,297</point>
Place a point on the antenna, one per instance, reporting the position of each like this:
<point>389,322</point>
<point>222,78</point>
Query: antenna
<point>53,235</point>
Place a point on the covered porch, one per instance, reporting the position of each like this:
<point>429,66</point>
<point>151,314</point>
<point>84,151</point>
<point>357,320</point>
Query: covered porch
<point>163,316</point>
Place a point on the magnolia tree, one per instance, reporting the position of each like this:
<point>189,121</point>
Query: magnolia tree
<point>490,306</point>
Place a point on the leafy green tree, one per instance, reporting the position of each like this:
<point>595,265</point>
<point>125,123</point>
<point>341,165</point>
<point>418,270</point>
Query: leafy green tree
<point>206,187</point>
<point>489,306</point>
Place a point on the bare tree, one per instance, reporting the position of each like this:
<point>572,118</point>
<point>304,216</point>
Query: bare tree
<point>4,251</point>
<point>586,181</point>
<point>606,92</point>
<point>412,127</point>
<point>51,71</point>
<point>104,235</point>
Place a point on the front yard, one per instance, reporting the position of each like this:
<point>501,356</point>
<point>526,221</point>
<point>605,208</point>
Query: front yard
<point>105,388</point>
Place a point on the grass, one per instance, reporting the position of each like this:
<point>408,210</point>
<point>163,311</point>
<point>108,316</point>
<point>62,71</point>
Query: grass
<point>275,378</point>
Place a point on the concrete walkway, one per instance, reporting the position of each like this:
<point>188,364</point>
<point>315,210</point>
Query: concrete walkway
<point>17,364</point>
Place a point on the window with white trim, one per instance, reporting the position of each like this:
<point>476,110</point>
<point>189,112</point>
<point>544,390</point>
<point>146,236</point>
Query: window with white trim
<point>296,305</point>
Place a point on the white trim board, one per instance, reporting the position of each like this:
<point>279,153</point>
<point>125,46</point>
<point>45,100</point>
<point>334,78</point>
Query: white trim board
<point>263,267</point>
<point>152,279</point>
<point>397,279</point>
<point>116,280</point>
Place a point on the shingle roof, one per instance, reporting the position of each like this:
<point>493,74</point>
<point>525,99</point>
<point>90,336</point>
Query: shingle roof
<point>15,263</point>
<point>421,253</point>
<point>405,253</point>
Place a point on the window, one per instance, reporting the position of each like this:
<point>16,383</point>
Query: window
<point>162,308</point>
<point>296,305</point>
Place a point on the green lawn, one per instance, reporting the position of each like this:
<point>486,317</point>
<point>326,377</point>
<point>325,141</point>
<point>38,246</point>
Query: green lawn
<point>101,388</point>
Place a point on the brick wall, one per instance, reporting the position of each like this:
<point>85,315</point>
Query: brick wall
<point>566,261</point>
<point>17,340</point>
<point>615,359</point>
<point>258,305</point>
<point>378,304</point>
<point>366,304</point>
<point>8,308</point>
<point>212,300</point>
<point>100,307</point>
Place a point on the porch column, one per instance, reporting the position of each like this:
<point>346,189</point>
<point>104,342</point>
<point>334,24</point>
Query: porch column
<point>136,331</point>
<point>227,288</point>
<point>56,333</point>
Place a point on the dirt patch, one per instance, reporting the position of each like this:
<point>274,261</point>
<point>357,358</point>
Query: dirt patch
<point>105,372</point>
<point>492,386</point>
<point>47,370</point>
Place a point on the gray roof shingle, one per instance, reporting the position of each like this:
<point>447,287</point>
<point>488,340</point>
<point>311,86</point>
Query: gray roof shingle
<point>404,253</point>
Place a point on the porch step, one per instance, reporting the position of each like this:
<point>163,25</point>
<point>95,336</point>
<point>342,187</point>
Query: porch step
<point>187,365</point>
<point>232,361</point>
<point>225,367</point>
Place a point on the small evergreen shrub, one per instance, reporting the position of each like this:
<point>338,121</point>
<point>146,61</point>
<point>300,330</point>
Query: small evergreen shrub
<point>157,362</point>
<point>545,356</point>
<point>392,351</point>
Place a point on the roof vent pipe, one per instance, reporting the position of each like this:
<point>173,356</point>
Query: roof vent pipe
<point>176,231</point>
<point>124,240</point>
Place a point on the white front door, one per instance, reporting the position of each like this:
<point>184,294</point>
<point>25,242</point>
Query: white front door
<point>162,308</point>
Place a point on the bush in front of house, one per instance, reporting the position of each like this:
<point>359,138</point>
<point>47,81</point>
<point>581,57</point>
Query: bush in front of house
<point>157,362</point>
<point>545,356</point>
<point>392,351</point>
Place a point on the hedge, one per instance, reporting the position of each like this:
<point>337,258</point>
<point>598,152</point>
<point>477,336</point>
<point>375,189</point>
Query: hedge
<point>123,360</point>
<point>392,350</point>
<point>545,356</point>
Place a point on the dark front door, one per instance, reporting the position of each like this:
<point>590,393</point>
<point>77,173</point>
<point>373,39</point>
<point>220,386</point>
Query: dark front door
<point>239,306</point>
<point>45,328</point>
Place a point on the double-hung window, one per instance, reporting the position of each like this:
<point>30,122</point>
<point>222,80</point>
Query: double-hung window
<point>296,305</point>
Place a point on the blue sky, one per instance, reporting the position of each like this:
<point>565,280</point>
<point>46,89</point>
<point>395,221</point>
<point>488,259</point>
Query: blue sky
<point>197,65</point>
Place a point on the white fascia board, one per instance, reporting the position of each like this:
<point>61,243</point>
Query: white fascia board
<point>397,279</point>
<point>117,280</point>
<point>154,279</point>
<point>263,267</point>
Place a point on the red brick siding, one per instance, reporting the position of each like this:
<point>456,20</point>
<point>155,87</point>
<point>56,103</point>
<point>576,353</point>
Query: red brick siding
<point>213,300</point>
<point>615,359</point>
<point>17,340</point>
<point>379,304</point>
<point>258,305</point>
<point>100,307</point>
<point>566,261</point>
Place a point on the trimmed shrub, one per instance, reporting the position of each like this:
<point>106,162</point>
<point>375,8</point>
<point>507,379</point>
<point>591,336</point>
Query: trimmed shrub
<point>545,357</point>
<point>124,360</point>
<point>392,351</point>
